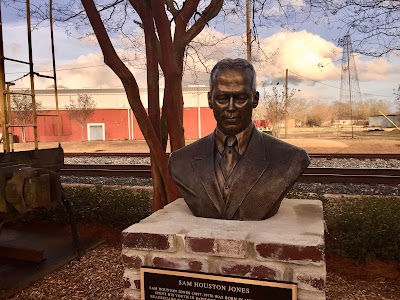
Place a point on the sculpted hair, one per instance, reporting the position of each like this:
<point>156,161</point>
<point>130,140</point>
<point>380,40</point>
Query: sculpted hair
<point>233,64</point>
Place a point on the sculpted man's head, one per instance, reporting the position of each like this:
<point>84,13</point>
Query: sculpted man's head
<point>233,94</point>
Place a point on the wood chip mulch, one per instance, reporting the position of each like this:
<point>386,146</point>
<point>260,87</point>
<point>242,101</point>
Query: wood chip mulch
<point>98,275</point>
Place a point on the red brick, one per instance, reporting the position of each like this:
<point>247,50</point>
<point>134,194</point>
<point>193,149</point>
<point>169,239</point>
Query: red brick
<point>263,272</point>
<point>127,283</point>
<point>175,263</point>
<point>160,262</point>
<point>291,252</point>
<point>148,241</point>
<point>310,281</point>
<point>239,270</point>
<point>132,279</point>
<point>217,247</point>
<point>195,266</point>
<point>133,262</point>
<point>200,245</point>
<point>244,270</point>
<point>137,284</point>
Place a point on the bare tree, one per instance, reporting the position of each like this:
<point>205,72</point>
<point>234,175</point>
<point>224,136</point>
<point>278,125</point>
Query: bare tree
<point>277,106</point>
<point>81,110</point>
<point>168,28</point>
<point>397,97</point>
<point>319,114</point>
<point>370,107</point>
<point>373,25</point>
<point>298,110</point>
<point>22,112</point>
<point>361,110</point>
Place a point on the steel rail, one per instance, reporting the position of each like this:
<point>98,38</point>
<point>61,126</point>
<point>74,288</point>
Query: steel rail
<point>317,175</point>
<point>312,155</point>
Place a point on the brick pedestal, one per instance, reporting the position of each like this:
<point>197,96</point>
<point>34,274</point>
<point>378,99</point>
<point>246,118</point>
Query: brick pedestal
<point>289,246</point>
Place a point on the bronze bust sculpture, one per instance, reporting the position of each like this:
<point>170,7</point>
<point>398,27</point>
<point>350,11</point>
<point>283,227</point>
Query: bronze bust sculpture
<point>237,172</point>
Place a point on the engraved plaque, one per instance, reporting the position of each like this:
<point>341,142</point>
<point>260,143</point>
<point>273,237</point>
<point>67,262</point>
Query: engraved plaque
<point>164,284</point>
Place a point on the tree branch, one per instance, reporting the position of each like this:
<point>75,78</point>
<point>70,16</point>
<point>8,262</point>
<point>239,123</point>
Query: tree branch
<point>112,59</point>
<point>183,16</point>
<point>208,14</point>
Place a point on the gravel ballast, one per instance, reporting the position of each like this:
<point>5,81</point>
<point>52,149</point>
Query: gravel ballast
<point>318,188</point>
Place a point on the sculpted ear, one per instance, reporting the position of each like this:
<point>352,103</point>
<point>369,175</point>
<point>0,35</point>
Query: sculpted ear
<point>256,99</point>
<point>209,100</point>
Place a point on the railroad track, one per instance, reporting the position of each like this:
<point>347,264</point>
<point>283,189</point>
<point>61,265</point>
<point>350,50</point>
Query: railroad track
<point>315,175</point>
<point>312,155</point>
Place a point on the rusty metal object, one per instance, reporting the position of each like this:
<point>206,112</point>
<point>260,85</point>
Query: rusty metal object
<point>51,159</point>
<point>29,180</point>
<point>30,188</point>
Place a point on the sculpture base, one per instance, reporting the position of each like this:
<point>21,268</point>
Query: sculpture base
<point>287,247</point>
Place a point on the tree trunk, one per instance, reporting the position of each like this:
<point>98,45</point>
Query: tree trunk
<point>174,111</point>
<point>168,52</point>
<point>132,91</point>
<point>159,191</point>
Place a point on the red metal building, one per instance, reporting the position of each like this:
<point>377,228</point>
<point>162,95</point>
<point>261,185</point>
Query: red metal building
<point>113,118</point>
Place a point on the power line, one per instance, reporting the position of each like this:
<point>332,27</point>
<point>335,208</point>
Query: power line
<point>60,70</point>
<point>325,84</point>
<point>102,65</point>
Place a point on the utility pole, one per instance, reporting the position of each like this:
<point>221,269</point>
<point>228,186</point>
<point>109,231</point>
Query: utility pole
<point>3,105</point>
<point>349,87</point>
<point>248,30</point>
<point>351,106</point>
<point>286,101</point>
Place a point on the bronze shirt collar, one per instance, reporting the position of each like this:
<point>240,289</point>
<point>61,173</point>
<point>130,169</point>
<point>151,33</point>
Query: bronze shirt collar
<point>242,137</point>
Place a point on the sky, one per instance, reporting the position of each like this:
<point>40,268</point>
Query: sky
<point>309,53</point>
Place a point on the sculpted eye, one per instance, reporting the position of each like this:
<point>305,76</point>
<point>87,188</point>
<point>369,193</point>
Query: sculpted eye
<point>241,99</point>
<point>222,99</point>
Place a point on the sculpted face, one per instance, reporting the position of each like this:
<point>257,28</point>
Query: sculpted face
<point>232,99</point>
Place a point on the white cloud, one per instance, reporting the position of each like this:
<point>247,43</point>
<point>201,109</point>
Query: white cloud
<point>80,62</point>
<point>302,53</point>
<point>377,69</point>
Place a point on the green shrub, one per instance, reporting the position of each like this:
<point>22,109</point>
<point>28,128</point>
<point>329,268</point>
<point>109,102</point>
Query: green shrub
<point>364,229</point>
<point>115,207</point>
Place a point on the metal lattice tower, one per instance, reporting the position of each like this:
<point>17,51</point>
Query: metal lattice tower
<point>349,87</point>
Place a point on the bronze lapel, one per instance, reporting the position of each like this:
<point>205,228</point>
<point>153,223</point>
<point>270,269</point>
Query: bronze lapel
<point>253,164</point>
<point>203,164</point>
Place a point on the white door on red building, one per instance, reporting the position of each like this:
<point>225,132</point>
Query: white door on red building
<point>96,131</point>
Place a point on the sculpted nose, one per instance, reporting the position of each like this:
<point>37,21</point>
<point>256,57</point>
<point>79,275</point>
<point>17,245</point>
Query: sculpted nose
<point>231,105</point>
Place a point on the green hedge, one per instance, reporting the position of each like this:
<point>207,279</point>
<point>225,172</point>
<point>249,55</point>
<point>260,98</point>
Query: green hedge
<point>364,229</point>
<point>115,207</point>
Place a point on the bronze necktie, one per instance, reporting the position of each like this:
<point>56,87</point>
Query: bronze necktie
<point>230,156</point>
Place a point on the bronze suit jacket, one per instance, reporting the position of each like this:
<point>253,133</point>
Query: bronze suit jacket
<point>268,169</point>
